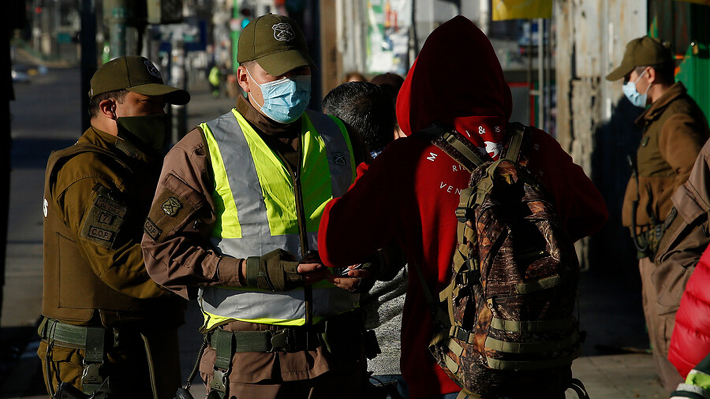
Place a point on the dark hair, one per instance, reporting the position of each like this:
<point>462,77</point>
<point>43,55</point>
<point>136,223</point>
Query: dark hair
<point>366,108</point>
<point>248,64</point>
<point>665,72</point>
<point>117,95</point>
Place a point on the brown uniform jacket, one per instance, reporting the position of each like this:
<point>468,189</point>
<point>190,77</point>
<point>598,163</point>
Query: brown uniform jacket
<point>181,257</point>
<point>687,234</point>
<point>95,203</point>
<point>674,130</point>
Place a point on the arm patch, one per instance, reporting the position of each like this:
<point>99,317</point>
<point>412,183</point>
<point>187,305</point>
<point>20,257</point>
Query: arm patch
<point>104,219</point>
<point>175,204</point>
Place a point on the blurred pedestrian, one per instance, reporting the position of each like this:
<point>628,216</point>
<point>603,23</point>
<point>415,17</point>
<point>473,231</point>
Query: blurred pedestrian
<point>107,326</point>
<point>215,80</point>
<point>354,76</point>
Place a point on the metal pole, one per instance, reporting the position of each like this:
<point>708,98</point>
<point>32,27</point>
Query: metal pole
<point>484,10</point>
<point>117,16</point>
<point>87,38</point>
<point>540,74</point>
<point>413,30</point>
<point>548,76</point>
<point>57,23</point>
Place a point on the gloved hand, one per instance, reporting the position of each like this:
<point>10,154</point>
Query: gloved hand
<point>274,271</point>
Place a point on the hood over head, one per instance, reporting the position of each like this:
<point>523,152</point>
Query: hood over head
<point>457,80</point>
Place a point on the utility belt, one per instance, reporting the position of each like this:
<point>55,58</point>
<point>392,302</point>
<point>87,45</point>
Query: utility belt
<point>284,340</point>
<point>647,241</point>
<point>78,337</point>
<point>94,340</point>
<point>342,336</point>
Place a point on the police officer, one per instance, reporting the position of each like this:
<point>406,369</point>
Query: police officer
<point>674,131</point>
<point>236,215</point>
<point>107,326</point>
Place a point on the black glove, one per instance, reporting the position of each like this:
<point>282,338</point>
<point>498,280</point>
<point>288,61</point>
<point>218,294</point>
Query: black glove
<point>272,272</point>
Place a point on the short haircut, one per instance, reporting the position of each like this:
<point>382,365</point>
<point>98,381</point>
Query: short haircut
<point>117,95</point>
<point>248,65</point>
<point>366,108</point>
<point>390,82</point>
<point>665,72</point>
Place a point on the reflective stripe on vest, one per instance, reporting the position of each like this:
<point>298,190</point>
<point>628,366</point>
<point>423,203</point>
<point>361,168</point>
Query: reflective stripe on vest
<point>256,213</point>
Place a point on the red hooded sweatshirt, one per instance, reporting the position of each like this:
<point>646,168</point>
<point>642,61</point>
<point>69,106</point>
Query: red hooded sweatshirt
<point>411,190</point>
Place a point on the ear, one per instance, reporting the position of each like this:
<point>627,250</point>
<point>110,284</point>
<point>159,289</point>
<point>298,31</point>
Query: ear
<point>243,78</point>
<point>108,108</point>
<point>651,75</point>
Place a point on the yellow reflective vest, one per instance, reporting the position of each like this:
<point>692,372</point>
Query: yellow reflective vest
<point>262,206</point>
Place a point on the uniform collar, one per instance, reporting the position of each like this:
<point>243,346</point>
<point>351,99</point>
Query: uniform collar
<point>110,142</point>
<point>265,125</point>
<point>658,106</point>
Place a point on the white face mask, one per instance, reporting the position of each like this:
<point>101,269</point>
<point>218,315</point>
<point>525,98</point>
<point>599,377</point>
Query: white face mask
<point>632,93</point>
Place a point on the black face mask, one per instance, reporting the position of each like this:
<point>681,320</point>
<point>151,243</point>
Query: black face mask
<point>150,130</point>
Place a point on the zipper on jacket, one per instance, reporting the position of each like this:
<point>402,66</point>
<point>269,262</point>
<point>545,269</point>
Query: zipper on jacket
<point>303,234</point>
<point>302,231</point>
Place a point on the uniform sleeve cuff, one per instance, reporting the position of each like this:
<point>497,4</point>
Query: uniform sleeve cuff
<point>228,272</point>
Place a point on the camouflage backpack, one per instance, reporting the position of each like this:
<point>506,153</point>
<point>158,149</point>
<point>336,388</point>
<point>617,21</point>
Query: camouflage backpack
<point>505,324</point>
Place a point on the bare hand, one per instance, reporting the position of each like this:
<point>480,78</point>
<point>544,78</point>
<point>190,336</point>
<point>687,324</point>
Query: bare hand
<point>350,283</point>
<point>313,272</point>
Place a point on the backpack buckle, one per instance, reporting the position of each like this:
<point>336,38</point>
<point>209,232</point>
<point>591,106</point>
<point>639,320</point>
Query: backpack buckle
<point>463,214</point>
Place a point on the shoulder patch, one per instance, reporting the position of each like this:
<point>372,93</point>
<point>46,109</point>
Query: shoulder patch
<point>171,206</point>
<point>103,220</point>
<point>174,206</point>
<point>152,229</point>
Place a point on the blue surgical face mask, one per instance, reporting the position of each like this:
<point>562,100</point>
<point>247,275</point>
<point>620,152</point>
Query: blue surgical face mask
<point>633,95</point>
<point>286,99</point>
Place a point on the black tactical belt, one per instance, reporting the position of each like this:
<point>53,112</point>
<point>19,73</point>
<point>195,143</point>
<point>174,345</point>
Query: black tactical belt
<point>285,340</point>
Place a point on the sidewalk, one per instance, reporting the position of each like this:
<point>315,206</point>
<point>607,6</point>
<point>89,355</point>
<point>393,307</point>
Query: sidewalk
<point>610,310</point>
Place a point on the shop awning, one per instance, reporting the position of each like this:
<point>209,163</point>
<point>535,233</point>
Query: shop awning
<point>521,9</point>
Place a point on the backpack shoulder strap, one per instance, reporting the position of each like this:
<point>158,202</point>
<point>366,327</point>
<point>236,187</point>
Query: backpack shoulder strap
<point>439,316</point>
<point>453,144</point>
<point>456,141</point>
<point>518,131</point>
<point>457,147</point>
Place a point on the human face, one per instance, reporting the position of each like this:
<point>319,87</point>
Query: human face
<point>639,76</point>
<point>256,75</point>
<point>135,104</point>
<point>631,87</point>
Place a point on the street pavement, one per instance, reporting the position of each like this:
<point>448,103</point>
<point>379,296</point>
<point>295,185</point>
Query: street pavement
<point>46,116</point>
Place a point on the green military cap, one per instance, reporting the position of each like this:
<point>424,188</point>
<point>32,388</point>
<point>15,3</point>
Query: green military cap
<point>276,43</point>
<point>137,74</point>
<point>643,51</point>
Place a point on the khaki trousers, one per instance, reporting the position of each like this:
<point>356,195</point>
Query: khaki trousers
<point>127,368</point>
<point>660,324</point>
